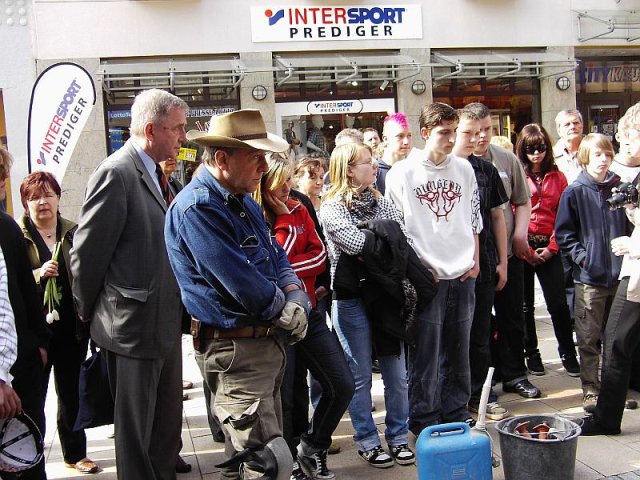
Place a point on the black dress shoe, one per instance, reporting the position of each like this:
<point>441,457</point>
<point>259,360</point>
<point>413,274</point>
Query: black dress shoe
<point>590,428</point>
<point>524,388</point>
<point>182,466</point>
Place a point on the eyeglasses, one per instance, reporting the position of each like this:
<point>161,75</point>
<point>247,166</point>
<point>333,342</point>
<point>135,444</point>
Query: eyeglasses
<point>531,149</point>
<point>370,162</point>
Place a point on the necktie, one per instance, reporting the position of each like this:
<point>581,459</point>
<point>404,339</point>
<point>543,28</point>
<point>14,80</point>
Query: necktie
<point>164,186</point>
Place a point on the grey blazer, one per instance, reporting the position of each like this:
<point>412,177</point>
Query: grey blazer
<point>122,281</point>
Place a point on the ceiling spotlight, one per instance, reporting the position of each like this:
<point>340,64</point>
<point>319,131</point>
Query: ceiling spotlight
<point>354,83</point>
<point>384,84</point>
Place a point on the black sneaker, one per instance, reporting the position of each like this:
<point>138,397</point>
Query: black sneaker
<point>570,364</point>
<point>315,465</point>
<point>402,454</point>
<point>376,457</point>
<point>471,422</point>
<point>534,365</point>
<point>298,473</point>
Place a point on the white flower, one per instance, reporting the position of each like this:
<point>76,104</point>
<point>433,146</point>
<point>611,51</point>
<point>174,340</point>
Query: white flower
<point>50,318</point>
<point>56,315</point>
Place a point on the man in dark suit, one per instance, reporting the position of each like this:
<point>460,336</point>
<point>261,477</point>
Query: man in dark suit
<point>33,334</point>
<point>123,285</point>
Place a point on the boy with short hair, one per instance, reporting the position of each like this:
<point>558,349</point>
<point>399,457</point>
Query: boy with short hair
<point>437,195</point>
<point>584,228</point>
<point>493,258</point>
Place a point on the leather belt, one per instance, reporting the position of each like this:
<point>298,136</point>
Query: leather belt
<point>245,332</point>
<point>200,331</point>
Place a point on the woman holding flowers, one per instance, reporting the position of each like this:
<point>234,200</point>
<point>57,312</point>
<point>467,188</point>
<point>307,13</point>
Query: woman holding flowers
<point>49,239</point>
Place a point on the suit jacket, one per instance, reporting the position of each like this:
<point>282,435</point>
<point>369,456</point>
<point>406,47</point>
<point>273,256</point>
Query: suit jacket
<point>122,281</point>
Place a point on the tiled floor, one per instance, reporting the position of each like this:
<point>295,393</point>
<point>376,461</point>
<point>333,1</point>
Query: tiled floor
<point>615,457</point>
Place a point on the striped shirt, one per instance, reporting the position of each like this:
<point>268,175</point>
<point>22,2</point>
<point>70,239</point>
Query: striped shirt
<point>8,336</point>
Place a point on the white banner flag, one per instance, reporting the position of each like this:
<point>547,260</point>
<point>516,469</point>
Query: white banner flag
<point>61,102</point>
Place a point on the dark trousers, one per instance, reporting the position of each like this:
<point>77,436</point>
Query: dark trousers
<point>621,338</point>
<point>147,394</point>
<point>65,356</point>
<point>510,323</point>
<point>479,349</point>
<point>551,277</point>
<point>27,382</point>
<point>320,352</point>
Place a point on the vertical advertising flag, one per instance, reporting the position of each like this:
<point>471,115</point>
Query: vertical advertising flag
<point>61,102</point>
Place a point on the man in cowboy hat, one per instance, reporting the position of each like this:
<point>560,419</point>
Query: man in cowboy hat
<point>243,296</point>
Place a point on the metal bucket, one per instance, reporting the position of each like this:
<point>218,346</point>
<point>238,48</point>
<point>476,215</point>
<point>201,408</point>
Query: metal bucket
<point>533,458</point>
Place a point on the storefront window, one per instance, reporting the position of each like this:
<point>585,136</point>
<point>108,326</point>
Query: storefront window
<point>605,90</point>
<point>514,102</point>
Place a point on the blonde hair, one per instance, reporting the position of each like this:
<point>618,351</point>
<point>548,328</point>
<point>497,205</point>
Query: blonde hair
<point>280,170</point>
<point>590,141</point>
<point>502,141</point>
<point>343,157</point>
<point>631,119</point>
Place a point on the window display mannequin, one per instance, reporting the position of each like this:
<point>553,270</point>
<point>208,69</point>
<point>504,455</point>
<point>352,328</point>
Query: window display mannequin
<point>315,140</point>
<point>292,139</point>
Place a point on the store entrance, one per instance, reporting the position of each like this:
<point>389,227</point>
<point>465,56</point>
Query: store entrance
<point>602,111</point>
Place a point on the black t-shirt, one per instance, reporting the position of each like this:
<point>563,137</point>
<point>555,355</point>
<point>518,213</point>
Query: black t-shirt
<point>492,194</point>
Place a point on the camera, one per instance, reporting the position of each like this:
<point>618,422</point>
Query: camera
<point>627,193</point>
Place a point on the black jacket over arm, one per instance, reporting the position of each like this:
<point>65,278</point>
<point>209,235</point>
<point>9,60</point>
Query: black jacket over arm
<point>387,260</point>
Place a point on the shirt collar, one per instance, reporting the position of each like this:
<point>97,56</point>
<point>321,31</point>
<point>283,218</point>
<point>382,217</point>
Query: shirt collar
<point>148,163</point>
<point>211,182</point>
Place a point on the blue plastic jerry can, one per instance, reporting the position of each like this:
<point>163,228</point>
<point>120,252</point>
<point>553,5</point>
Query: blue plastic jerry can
<point>453,451</point>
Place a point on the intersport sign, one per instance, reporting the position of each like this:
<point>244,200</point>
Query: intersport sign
<point>304,23</point>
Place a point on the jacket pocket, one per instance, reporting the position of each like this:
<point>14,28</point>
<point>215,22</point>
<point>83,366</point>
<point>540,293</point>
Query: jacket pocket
<point>138,294</point>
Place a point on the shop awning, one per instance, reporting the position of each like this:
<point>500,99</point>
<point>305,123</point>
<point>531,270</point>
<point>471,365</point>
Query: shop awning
<point>125,75</point>
<point>343,67</point>
<point>608,25</point>
<point>492,64</point>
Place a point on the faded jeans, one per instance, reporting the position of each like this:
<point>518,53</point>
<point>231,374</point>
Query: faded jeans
<point>354,332</point>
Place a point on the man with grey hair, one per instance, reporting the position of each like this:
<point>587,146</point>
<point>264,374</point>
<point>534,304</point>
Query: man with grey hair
<point>245,300</point>
<point>123,284</point>
<point>569,126</point>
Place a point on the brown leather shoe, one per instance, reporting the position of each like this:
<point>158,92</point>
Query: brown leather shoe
<point>84,466</point>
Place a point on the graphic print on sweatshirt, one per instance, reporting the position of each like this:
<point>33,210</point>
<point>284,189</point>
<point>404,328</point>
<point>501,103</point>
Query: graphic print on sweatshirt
<point>441,196</point>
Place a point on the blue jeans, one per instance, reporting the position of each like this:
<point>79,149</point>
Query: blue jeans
<point>354,332</point>
<point>440,378</point>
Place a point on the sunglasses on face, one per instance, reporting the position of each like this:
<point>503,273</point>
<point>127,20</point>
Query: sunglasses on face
<point>531,149</point>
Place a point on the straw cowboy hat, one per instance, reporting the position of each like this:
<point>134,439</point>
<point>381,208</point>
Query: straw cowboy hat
<point>239,129</point>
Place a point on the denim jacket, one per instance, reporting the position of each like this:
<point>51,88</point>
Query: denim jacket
<point>230,270</point>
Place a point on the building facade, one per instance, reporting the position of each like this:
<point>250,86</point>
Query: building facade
<point>315,67</point>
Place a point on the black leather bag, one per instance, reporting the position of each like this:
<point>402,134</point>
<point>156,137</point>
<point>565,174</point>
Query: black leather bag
<point>95,402</point>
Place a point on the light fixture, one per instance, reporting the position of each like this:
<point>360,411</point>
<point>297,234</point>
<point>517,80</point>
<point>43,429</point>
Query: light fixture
<point>418,87</point>
<point>563,83</point>
<point>354,83</point>
<point>384,84</point>
<point>259,92</point>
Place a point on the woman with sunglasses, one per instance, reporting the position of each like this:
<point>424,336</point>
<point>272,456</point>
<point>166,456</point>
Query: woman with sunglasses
<point>546,184</point>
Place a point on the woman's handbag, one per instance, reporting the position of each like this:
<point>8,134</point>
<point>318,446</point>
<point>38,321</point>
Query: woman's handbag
<point>95,402</point>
